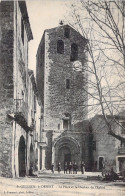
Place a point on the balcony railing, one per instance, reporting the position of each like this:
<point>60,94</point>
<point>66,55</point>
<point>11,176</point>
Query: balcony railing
<point>21,114</point>
<point>121,150</point>
<point>21,107</point>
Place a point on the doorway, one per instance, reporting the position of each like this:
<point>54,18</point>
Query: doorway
<point>31,156</point>
<point>121,161</point>
<point>21,157</point>
<point>64,155</point>
<point>101,162</point>
<point>67,158</point>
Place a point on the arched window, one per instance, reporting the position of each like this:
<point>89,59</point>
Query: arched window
<point>67,121</point>
<point>74,52</point>
<point>60,46</point>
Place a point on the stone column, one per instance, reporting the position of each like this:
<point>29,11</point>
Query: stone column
<point>39,158</point>
<point>43,157</point>
<point>117,165</point>
<point>53,154</point>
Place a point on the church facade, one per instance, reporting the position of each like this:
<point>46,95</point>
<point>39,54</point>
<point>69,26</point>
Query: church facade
<point>61,77</point>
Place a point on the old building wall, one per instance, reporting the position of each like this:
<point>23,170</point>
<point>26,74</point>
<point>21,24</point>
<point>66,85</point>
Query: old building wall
<point>40,59</point>
<point>106,145</point>
<point>20,56</point>
<point>15,33</point>
<point>20,65</point>
<point>6,86</point>
<point>58,68</point>
<point>59,141</point>
<point>62,83</point>
<point>15,152</point>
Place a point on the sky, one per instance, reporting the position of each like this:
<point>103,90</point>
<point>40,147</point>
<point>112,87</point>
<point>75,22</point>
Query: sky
<point>43,14</point>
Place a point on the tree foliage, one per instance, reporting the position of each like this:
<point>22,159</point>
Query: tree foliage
<point>102,23</point>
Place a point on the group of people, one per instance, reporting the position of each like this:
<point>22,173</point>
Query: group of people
<point>71,167</point>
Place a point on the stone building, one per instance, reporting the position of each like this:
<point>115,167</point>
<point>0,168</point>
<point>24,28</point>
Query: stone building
<point>61,77</point>
<point>35,118</point>
<point>18,93</point>
<point>108,150</point>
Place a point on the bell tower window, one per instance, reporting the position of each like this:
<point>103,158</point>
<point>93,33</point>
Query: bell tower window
<point>65,124</point>
<point>67,121</point>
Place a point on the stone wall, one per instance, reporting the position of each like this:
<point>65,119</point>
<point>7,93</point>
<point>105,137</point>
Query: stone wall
<point>68,139</point>
<point>40,59</point>
<point>54,70</point>
<point>13,86</point>
<point>58,68</point>
<point>106,145</point>
<point>6,86</point>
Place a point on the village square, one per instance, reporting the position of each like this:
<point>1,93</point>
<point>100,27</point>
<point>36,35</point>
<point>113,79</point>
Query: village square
<point>62,126</point>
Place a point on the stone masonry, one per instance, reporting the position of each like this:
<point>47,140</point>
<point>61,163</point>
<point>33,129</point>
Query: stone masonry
<point>62,84</point>
<point>6,86</point>
<point>18,139</point>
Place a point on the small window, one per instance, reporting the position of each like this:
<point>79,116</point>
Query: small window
<point>68,83</point>
<point>58,126</point>
<point>67,121</point>
<point>67,32</point>
<point>74,52</point>
<point>60,46</point>
<point>65,124</point>
<point>22,30</point>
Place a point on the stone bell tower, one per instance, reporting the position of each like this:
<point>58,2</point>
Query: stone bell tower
<point>62,83</point>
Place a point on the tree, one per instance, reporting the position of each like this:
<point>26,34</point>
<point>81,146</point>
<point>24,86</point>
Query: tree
<point>102,23</point>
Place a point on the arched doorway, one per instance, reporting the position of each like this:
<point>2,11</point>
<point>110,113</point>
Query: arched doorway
<point>66,149</point>
<point>64,155</point>
<point>21,157</point>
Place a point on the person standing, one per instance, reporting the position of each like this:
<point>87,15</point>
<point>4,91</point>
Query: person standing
<point>52,167</point>
<point>70,168</point>
<point>65,168</point>
<point>59,167</point>
<point>82,167</point>
<point>75,168</point>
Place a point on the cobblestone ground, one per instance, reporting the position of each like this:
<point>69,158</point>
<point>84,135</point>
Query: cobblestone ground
<point>61,185</point>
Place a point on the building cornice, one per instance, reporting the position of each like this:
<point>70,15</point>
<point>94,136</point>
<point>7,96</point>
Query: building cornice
<point>23,9</point>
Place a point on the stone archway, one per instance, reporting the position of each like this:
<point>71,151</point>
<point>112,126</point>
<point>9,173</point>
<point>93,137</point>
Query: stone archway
<point>64,155</point>
<point>21,157</point>
<point>66,149</point>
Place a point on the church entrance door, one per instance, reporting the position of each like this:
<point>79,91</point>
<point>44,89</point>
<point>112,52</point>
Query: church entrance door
<point>67,158</point>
